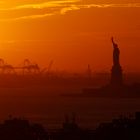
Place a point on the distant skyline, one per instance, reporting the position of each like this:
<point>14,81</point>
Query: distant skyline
<point>73,33</point>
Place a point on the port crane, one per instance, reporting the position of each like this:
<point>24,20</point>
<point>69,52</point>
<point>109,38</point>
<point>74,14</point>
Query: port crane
<point>27,67</point>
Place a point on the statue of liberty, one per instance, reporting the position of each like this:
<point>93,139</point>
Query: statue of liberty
<point>116,53</point>
<point>116,72</point>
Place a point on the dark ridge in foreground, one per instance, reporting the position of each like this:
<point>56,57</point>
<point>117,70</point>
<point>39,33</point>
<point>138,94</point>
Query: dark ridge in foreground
<point>18,129</point>
<point>124,128</point>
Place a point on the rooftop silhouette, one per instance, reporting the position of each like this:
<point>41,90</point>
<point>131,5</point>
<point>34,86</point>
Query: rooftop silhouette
<point>122,128</point>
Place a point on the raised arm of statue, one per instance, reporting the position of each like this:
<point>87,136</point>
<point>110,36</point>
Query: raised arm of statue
<point>116,53</point>
<point>112,39</point>
<point>114,44</point>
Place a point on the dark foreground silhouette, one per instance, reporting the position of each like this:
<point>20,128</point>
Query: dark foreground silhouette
<point>119,129</point>
<point>17,129</point>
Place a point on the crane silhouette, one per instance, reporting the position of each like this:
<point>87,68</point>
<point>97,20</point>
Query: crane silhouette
<point>6,68</point>
<point>27,67</point>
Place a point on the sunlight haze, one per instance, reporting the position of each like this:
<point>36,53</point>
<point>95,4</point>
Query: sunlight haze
<point>73,33</point>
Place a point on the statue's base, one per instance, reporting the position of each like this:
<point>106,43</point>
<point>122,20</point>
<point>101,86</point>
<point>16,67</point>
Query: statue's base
<point>116,76</point>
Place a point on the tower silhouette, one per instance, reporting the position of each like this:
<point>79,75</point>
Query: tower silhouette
<point>116,71</point>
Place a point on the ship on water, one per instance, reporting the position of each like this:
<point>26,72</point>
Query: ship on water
<point>116,88</point>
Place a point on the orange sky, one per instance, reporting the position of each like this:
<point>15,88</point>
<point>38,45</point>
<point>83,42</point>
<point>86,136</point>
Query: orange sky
<point>73,33</point>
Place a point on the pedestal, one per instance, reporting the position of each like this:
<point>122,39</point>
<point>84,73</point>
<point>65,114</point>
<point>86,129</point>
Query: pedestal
<point>116,76</point>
